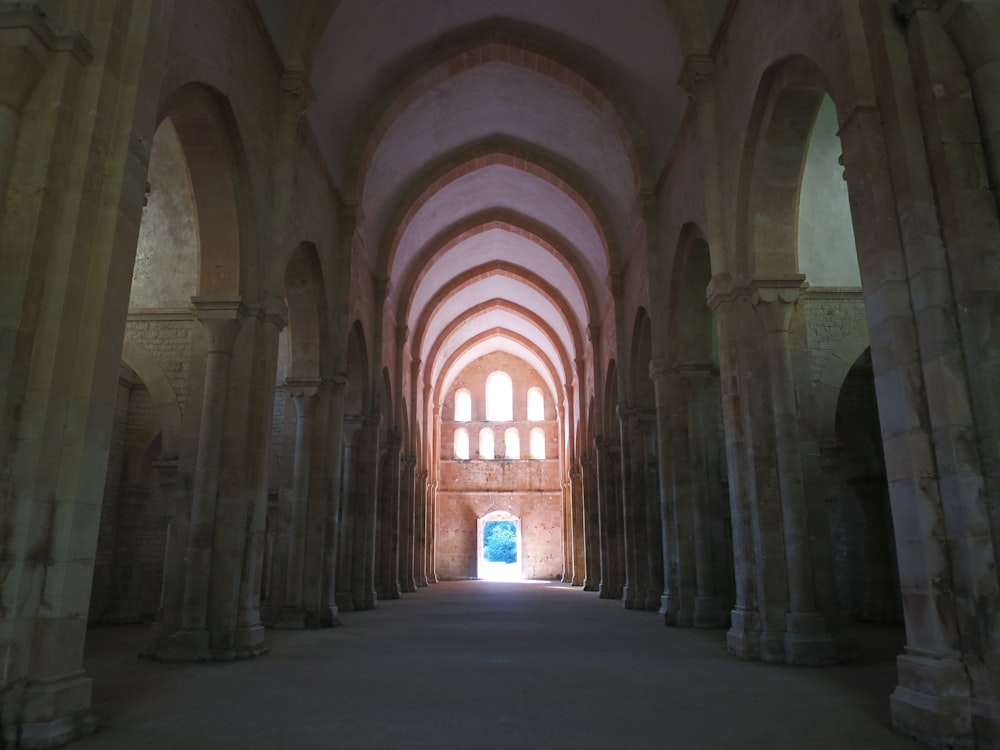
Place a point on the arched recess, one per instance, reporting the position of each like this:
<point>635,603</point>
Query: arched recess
<point>700,564</point>
<point>307,314</point>
<point>781,125</point>
<point>355,579</point>
<point>610,490</point>
<point>640,452</point>
<point>162,393</point>
<point>206,127</point>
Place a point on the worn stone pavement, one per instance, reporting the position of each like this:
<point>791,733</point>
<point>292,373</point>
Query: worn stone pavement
<point>484,666</point>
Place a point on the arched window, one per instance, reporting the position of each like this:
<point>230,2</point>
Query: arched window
<point>462,443</point>
<point>463,405</point>
<point>511,443</point>
<point>536,404</point>
<point>499,397</point>
<point>486,447</point>
<point>537,442</point>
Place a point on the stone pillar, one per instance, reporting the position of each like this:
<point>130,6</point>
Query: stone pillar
<point>743,638</point>
<point>302,392</point>
<point>612,552</point>
<point>669,602</point>
<point>633,507</point>
<point>420,530</point>
<point>682,536</point>
<point>807,639</point>
<point>579,537</point>
<point>565,495</point>
<point>388,519</point>
<point>591,523</point>
<point>25,42</point>
<point>348,513</point>
<point>126,584</point>
<point>407,524</point>
<point>364,488</point>
<point>221,319</point>
<point>708,612</point>
<point>321,582</point>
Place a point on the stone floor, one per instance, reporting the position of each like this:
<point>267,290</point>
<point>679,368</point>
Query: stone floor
<point>479,666</point>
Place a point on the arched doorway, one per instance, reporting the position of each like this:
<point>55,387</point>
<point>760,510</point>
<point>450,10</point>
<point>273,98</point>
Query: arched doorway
<point>498,545</point>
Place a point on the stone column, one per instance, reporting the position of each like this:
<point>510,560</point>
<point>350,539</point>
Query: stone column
<point>348,513</point>
<point>743,638</point>
<point>669,602</point>
<point>221,319</point>
<point>125,574</point>
<point>407,525</point>
<point>612,568</point>
<point>302,392</point>
<point>708,611</point>
<point>579,535</point>
<point>329,515</point>
<point>388,523</point>
<point>591,523</point>
<point>633,507</point>
<point>420,530</point>
<point>682,535</point>
<point>25,42</point>
<point>807,640</point>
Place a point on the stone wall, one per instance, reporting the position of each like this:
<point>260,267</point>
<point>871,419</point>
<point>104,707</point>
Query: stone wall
<point>526,488</point>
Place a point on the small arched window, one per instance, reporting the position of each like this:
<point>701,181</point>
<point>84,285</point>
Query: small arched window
<point>463,405</point>
<point>511,443</point>
<point>462,443</point>
<point>499,397</point>
<point>536,404</point>
<point>486,447</point>
<point>537,443</point>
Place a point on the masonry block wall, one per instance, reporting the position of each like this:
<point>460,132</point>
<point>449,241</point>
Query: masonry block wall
<point>470,488</point>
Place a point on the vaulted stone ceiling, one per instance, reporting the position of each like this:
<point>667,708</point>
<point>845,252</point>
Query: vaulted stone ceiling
<point>496,153</point>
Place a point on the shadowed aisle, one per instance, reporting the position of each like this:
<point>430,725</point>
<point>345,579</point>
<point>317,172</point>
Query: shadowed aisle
<point>486,666</point>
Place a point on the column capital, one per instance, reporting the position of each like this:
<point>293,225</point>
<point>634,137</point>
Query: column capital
<point>337,382</point>
<point>166,472</point>
<point>907,8</point>
<point>724,289</point>
<point>221,317</point>
<point>27,38</point>
<point>657,369</point>
<point>774,300</point>
<point>695,71</point>
<point>302,388</point>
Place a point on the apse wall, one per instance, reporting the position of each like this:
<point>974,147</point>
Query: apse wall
<point>470,488</point>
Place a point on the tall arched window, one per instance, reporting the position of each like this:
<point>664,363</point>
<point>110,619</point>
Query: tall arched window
<point>536,404</point>
<point>462,443</point>
<point>537,443</point>
<point>499,397</point>
<point>463,405</point>
<point>486,448</point>
<point>511,443</point>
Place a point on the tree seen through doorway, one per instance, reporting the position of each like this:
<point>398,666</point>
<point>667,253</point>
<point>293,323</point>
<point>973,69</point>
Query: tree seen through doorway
<point>500,542</point>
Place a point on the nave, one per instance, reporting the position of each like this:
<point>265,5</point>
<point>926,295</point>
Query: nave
<point>491,666</point>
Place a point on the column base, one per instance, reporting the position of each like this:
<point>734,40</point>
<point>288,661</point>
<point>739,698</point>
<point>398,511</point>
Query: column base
<point>180,646</point>
<point>249,641</point>
<point>652,602</point>
<point>588,585</point>
<point>290,618</point>
<point>986,723</point>
<point>708,613</point>
<point>931,702</point>
<point>408,587</point>
<point>344,600</point>
<point>630,597</point>
<point>808,640</point>
<point>56,712</point>
<point>744,636</point>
